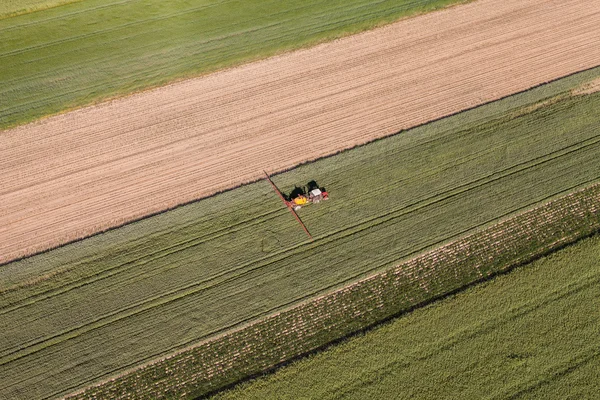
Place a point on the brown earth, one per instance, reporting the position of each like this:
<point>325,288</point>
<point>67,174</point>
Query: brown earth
<point>72,175</point>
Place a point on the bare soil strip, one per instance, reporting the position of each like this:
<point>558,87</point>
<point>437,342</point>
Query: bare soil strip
<point>76,174</point>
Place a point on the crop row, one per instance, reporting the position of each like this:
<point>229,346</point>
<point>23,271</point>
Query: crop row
<point>262,345</point>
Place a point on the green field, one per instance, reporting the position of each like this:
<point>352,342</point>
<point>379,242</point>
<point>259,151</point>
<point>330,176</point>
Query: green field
<point>530,334</point>
<point>12,8</point>
<point>83,52</point>
<point>96,307</point>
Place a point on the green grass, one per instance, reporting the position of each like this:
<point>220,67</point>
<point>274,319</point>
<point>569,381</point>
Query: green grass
<point>530,334</point>
<point>93,308</point>
<point>83,52</point>
<point>12,8</point>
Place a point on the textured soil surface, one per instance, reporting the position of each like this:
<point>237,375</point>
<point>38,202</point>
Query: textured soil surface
<point>72,175</point>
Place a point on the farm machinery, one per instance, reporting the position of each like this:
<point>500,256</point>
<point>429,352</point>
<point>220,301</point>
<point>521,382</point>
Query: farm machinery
<point>310,194</point>
<point>301,197</point>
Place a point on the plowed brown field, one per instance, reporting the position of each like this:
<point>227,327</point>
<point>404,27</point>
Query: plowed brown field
<point>82,172</point>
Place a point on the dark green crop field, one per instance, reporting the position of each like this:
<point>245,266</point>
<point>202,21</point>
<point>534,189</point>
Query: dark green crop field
<point>94,308</point>
<point>531,334</point>
<point>86,51</point>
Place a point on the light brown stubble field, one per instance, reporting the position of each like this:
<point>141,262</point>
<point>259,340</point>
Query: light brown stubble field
<point>76,174</point>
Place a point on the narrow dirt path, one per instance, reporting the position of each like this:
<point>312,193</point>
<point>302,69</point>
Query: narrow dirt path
<point>72,175</point>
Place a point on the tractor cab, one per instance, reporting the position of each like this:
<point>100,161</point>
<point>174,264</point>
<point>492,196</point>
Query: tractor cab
<point>316,195</point>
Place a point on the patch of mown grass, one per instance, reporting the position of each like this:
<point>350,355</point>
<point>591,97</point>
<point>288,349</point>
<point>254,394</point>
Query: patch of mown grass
<point>94,308</point>
<point>83,52</point>
<point>528,334</point>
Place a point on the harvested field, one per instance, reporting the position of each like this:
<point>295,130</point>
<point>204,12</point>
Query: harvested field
<point>107,165</point>
<point>89,310</point>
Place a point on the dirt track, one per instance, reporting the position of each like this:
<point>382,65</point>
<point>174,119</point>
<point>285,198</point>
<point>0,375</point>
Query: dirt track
<point>75,174</point>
